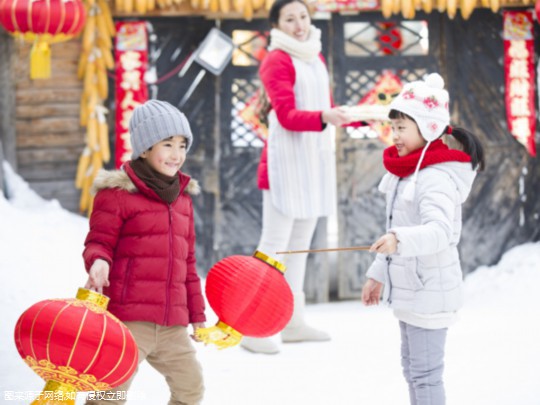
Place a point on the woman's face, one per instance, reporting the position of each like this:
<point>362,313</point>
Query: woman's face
<point>294,20</point>
<point>406,136</point>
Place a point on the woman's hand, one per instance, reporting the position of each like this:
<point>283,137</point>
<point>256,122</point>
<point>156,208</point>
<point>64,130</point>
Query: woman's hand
<point>371,292</point>
<point>337,117</point>
<point>98,276</point>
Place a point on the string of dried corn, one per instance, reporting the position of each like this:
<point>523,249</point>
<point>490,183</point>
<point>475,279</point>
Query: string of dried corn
<point>96,58</point>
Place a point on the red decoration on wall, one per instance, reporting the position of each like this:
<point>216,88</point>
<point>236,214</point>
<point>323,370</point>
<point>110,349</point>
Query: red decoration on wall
<point>76,345</point>
<point>251,115</point>
<point>386,88</point>
<point>250,296</point>
<point>42,23</point>
<point>389,38</point>
<point>520,76</point>
<point>131,54</point>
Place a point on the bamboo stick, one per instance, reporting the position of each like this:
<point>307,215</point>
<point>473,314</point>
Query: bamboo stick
<point>288,252</point>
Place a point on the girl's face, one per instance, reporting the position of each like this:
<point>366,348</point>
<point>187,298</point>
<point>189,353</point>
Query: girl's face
<point>406,136</point>
<point>294,20</point>
<point>168,156</point>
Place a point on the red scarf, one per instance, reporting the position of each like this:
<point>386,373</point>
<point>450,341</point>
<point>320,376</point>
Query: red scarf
<point>437,152</point>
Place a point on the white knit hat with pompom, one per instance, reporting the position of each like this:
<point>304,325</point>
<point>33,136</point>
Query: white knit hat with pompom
<point>425,101</point>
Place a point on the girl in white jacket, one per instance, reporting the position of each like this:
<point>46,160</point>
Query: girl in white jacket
<point>417,259</point>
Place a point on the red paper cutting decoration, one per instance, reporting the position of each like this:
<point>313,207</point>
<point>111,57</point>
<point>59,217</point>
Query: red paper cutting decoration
<point>250,296</point>
<point>389,38</point>
<point>75,345</point>
<point>42,22</point>
<point>386,88</point>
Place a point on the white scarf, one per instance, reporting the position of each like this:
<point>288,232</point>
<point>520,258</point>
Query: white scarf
<point>307,50</point>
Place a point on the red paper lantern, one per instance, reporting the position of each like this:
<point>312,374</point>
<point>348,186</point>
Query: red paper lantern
<point>76,345</point>
<point>42,22</point>
<point>250,296</point>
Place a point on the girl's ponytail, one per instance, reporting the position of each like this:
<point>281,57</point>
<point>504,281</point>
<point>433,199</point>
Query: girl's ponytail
<point>471,146</point>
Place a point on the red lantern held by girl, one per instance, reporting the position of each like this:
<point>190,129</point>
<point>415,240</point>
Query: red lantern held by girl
<point>75,345</point>
<point>250,296</point>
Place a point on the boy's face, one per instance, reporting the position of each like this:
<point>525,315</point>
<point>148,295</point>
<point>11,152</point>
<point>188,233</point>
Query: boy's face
<point>406,136</point>
<point>168,156</point>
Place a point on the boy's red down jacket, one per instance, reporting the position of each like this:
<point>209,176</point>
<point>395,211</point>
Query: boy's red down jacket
<point>150,247</point>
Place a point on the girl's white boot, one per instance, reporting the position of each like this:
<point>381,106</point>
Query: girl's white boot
<point>297,330</point>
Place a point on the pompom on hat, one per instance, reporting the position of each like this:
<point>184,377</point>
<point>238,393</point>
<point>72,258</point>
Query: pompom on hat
<point>154,121</point>
<point>426,102</point>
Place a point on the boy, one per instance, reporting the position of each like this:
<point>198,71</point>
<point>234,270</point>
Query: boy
<point>140,250</point>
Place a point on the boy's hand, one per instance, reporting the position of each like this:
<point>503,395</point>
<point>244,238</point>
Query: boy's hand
<point>371,293</point>
<point>197,325</point>
<point>386,244</point>
<point>98,276</point>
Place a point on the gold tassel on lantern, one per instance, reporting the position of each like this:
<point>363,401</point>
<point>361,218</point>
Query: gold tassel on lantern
<point>221,334</point>
<point>56,393</point>
<point>40,60</point>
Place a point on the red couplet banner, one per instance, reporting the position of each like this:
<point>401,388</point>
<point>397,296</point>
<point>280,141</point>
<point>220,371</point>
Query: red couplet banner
<point>131,54</point>
<point>520,77</point>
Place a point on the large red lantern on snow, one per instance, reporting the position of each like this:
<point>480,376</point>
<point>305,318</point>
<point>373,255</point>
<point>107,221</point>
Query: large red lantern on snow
<point>250,296</point>
<point>75,345</point>
<point>42,22</point>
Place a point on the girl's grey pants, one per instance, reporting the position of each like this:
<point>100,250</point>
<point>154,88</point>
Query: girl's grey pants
<point>422,358</point>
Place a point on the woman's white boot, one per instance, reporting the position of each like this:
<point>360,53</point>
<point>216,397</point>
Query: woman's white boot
<point>260,345</point>
<point>297,330</point>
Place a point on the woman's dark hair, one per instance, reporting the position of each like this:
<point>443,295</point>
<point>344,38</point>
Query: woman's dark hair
<point>470,144</point>
<point>273,15</point>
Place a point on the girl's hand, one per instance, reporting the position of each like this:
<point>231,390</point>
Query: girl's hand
<point>386,244</point>
<point>371,293</point>
<point>98,276</point>
<point>196,325</point>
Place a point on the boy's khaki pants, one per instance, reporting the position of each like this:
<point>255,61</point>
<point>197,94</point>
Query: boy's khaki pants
<point>169,350</point>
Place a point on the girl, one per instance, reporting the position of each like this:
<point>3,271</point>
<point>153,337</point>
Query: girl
<point>297,170</point>
<point>417,260</point>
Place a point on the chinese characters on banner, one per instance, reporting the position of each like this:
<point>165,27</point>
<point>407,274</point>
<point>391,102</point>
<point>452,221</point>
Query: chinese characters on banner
<point>131,64</point>
<point>519,77</point>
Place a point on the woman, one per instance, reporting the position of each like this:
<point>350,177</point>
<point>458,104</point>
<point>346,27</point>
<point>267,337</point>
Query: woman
<point>297,171</point>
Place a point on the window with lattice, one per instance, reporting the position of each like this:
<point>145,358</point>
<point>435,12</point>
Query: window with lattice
<point>250,47</point>
<point>386,38</point>
<point>243,133</point>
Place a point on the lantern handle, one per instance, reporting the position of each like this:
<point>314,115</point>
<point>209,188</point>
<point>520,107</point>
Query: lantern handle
<point>288,252</point>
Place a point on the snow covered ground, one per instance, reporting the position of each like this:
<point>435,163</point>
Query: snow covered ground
<point>493,352</point>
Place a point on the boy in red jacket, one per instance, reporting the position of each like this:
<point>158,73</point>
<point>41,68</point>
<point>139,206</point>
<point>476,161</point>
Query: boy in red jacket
<point>140,250</point>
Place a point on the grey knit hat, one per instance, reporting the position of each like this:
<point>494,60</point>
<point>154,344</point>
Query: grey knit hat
<point>155,121</point>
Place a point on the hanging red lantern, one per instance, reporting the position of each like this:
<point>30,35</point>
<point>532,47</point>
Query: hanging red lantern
<point>250,296</point>
<point>75,345</point>
<point>42,22</point>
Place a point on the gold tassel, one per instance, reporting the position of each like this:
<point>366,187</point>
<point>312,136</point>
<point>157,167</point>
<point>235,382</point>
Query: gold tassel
<point>221,334</point>
<point>40,60</point>
<point>56,393</point>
